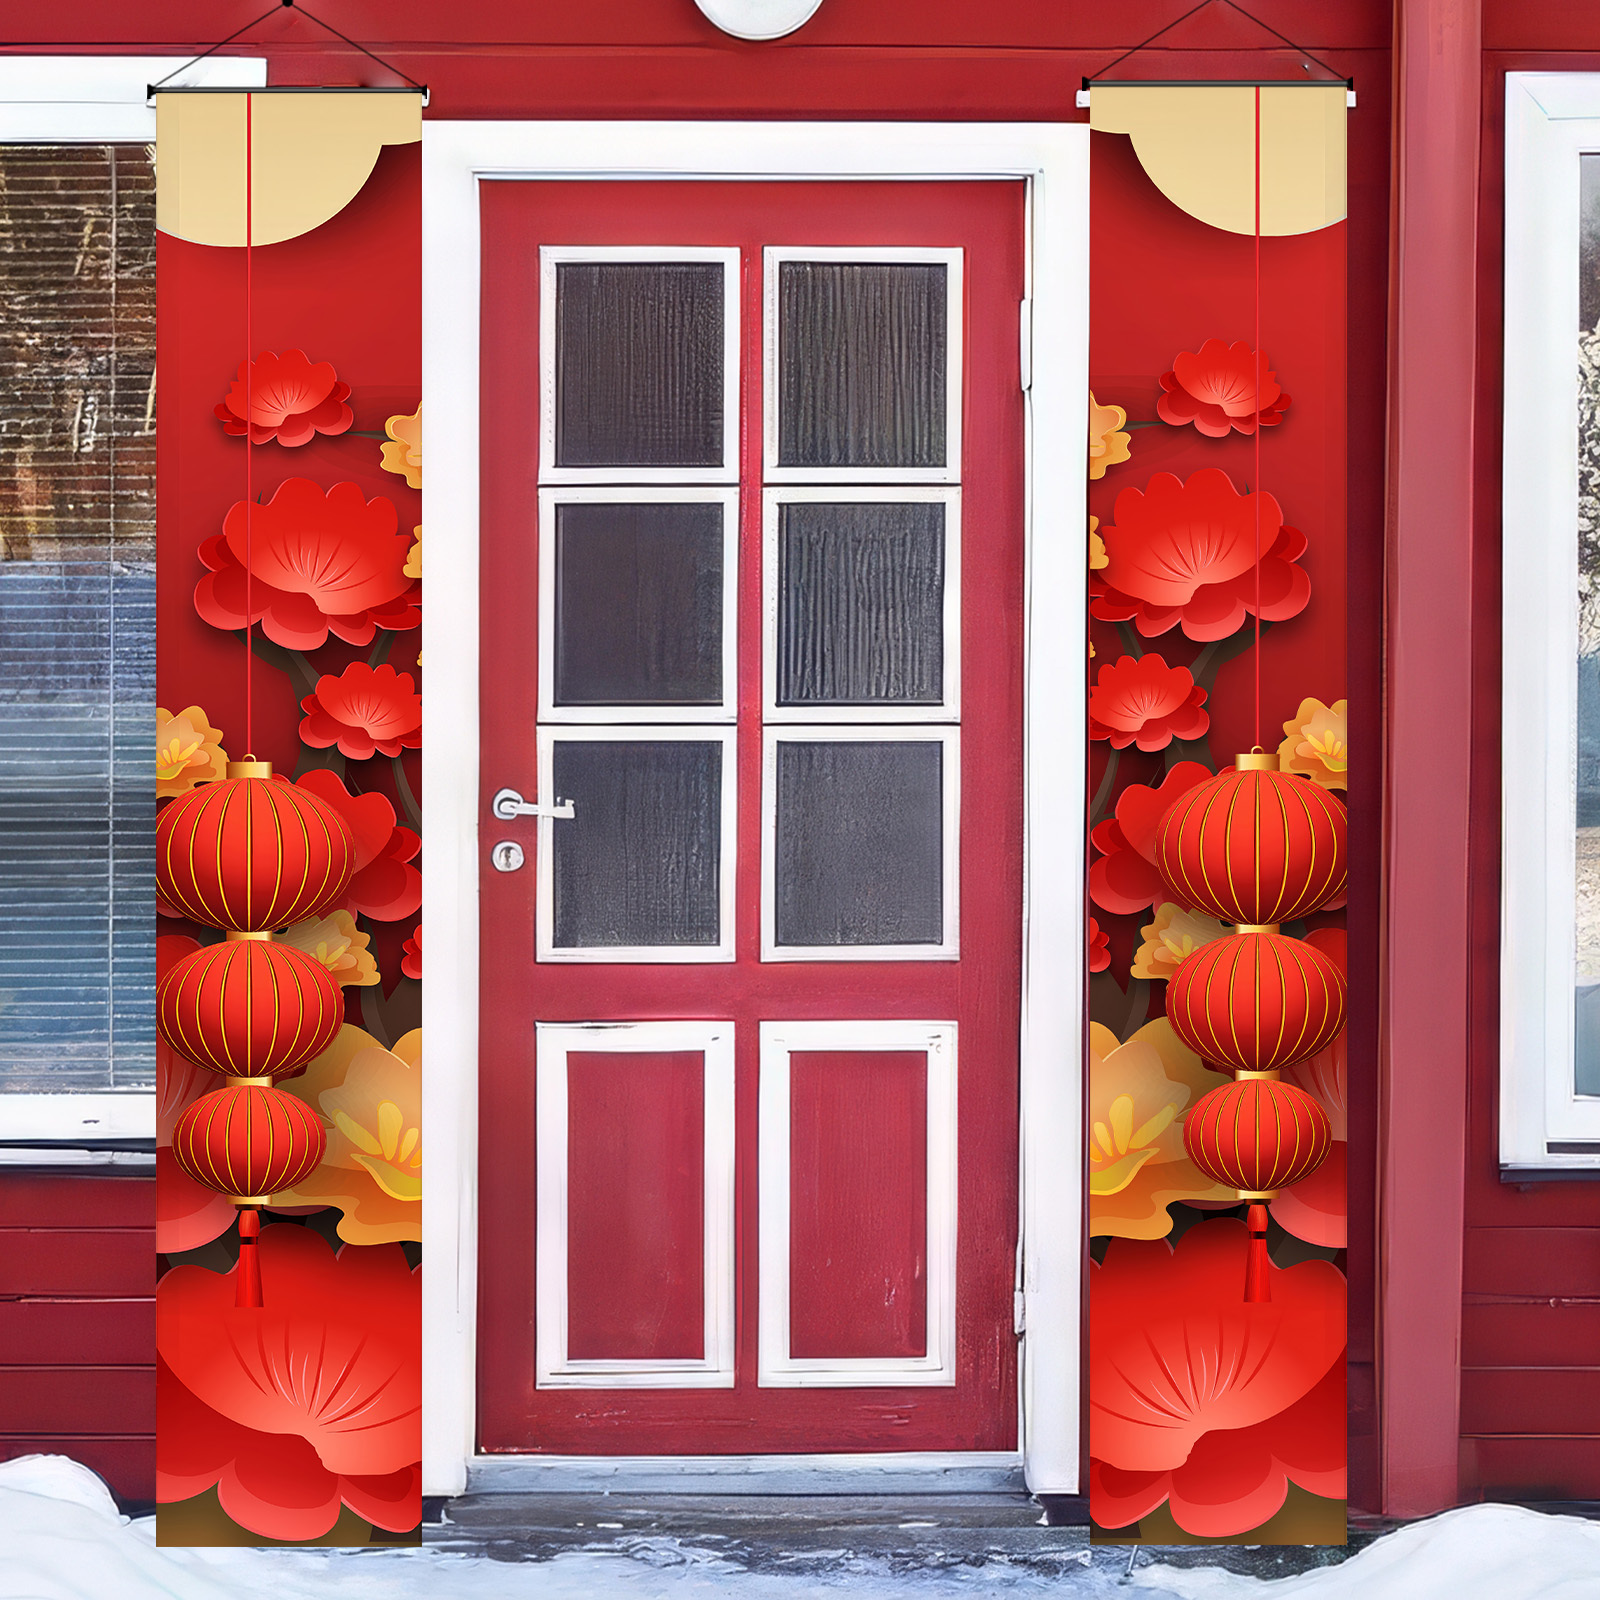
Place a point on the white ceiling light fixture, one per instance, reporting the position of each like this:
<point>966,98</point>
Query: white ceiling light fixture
<point>758,19</point>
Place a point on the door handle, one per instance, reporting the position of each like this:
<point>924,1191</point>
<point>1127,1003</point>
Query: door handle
<point>508,804</point>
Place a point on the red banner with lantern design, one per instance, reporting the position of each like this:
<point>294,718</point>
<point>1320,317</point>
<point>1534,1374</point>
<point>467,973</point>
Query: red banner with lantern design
<point>1219,754</point>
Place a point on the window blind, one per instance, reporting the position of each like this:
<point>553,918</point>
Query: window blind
<point>77,618</point>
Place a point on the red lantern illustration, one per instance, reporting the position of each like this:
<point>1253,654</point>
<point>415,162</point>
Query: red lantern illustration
<point>1254,846</point>
<point>1257,1001</point>
<point>251,854</point>
<point>248,1140</point>
<point>1259,1135</point>
<point>249,1007</point>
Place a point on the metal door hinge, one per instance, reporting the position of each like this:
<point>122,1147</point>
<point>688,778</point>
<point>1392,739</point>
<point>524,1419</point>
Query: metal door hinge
<point>1025,343</point>
<point>1019,1312</point>
<point>508,803</point>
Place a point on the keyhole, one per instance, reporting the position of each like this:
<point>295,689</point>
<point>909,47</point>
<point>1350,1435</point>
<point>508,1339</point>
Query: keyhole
<point>507,856</point>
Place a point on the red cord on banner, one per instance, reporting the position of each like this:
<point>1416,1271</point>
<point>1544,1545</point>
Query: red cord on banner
<point>249,419</point>
<point>1258,419</point>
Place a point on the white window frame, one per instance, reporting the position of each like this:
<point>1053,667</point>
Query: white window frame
<point>94,100</point>
<point>554,1369</point>
<point>1552,120</point>
<point>1051,159</point>
<point>948,708</point>
<point>953,260</point>
<point>949,739</point>
<point>621,955</point>
<point>552,256</point>
<point>593,494</point>
<point>777,1369</point>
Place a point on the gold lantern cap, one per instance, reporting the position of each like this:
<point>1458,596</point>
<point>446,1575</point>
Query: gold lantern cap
<point>249,768</point>
<point>1245,761</point>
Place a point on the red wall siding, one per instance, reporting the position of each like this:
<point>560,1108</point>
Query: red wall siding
<point>1530,1376</point>
<point>78,1325</point>
<point>935,59</point>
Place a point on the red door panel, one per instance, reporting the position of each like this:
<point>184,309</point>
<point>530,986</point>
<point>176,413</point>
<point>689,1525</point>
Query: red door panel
<point>864,1171</point>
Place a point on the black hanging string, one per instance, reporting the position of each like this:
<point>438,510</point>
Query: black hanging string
<point>1232,5</point>
<point>310,16</point>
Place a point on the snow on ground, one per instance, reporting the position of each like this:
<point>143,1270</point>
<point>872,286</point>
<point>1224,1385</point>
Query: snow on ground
<point>62,1539</point>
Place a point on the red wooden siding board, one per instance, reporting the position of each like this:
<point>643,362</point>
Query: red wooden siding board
<point>1530,1467</point>
<point>71,1261</point>
<point>48,1200</point>
<point>665,33</point>
<point>1530,1333</point>
<point>1526,1400</point>
<point>127,1462</point>
<point>77,1399</point>
<point>858,1203</point>
<point>78,1332</point>
<point>1547,1263</point>
<point>635,1205</point>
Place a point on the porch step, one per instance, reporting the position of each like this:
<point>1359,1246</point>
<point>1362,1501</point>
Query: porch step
<point>763,1532</point>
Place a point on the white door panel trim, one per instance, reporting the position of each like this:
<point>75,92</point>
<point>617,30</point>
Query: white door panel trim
<point>554,1368</point>
<point>778,1369</point>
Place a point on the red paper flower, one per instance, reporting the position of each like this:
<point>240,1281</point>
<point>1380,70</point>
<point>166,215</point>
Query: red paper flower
<point>1143,701</point>
<point>188,1214</point>
<point>320,562</point>
<point>290,399</point>
<point>365,711</point>
<point>1099,947</point>
<point>385,886</point>
<point>1236,1478</point>
<point>313,1399</point>
<point>1176,1351</point>
<point>411,953</point>
<point>1183,553</point>
<point>1215,389</point>
<point>1316,1209</point>
<point>1125,879</point>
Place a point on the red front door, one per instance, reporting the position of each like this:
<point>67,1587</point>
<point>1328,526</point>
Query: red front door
<point>752,613</point>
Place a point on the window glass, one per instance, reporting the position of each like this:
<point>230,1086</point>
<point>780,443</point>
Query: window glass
<point>861,364</point>
<point>860,842</point>
<point>639,862</point>
<point>639,364</point>
<point>1587,1066</point>
<point>861,603</point>
<point>639,603</point>
<point>77,617</point>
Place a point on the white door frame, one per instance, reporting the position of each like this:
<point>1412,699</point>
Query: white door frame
<point>1053,160</point>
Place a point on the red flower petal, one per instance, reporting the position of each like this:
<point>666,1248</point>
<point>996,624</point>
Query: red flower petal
<point>290,398</point>
<point>1215,388</point>
<point>1185,553</point>
<point>1146,701</point>
<point>1175,1350</point>
<point>334,1355</point>
<point>1125,879</point>
<point>365,710</point>
<point>320,561</point>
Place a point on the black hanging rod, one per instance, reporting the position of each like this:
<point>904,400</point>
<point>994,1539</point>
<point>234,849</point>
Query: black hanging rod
<point>1218,83</point>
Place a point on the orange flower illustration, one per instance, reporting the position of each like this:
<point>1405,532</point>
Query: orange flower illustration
<point>1138,1094</point>
<point>402,454</point>
<point>371,1100</point>
<point>188,751</point>
<point>1097,547</point>
<point>413,566</point>
<point>1174,936</point>
<point>1108,444</point>
<point>339,945</point>
<point>1318,743</point>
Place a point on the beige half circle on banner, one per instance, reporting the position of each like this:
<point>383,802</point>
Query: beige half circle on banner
<point>1197,142</point>
<point>312,154</point>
